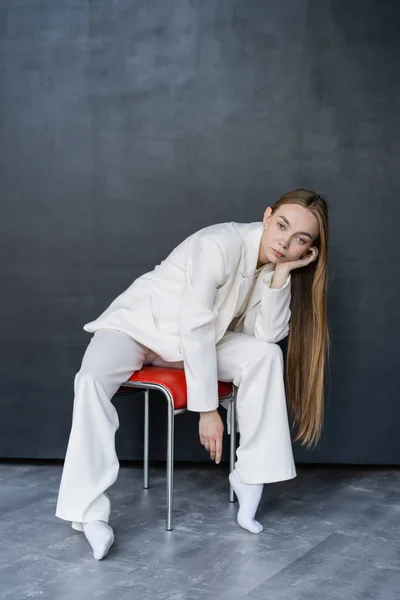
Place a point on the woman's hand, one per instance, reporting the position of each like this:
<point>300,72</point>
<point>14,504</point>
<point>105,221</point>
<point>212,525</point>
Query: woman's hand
<point>308,257</point>
<point>211,429</point>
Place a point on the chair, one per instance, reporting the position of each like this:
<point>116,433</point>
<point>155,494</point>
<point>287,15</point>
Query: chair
<point>172,383</point>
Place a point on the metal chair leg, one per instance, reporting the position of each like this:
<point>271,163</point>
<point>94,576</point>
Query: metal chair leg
<point>232,444</point>
<point>146,441</point>
<point>170,463</point>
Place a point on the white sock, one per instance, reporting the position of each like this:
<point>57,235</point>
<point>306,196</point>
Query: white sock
<point>249,496</point>
<point>100,536</point>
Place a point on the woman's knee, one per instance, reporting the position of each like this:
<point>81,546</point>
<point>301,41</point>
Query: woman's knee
<point>89,377</point>
<point>268,351</point>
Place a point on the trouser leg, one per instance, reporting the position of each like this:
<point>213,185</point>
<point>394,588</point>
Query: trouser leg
<point>265,449</point>
<point>91,464</point>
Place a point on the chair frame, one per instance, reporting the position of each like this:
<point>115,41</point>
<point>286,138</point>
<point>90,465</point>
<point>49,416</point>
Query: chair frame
<point>172,413</point>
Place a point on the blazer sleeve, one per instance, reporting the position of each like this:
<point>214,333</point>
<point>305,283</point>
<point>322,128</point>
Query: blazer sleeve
<point>204,274</point>
<point>268,320</point>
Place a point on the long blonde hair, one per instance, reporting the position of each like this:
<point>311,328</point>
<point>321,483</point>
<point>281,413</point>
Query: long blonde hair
<point>308,347</point>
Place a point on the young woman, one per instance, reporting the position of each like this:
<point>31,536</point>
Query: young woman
<point>216,307</point>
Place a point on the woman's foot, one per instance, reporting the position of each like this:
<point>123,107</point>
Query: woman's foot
<point>100,536</point>
<point>249,496</point>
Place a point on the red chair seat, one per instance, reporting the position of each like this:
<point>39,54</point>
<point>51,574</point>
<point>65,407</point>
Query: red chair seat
<point>174,380</point>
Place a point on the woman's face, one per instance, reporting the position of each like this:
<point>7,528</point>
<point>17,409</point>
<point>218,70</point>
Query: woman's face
<point>288,233</point>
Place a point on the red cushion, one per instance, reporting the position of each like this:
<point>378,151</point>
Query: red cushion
<point>175,382</point>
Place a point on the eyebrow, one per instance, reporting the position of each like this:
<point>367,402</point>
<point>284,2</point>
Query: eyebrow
<point>301,232</point>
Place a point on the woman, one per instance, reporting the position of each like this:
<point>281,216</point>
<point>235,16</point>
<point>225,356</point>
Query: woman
<point>216,307</point>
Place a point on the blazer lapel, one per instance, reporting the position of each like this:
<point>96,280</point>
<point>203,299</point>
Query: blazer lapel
<point>243,279</point>
<point>251,249</point>
<point>256,293</point>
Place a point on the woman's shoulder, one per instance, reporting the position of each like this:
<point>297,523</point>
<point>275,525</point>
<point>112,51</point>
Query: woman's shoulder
<point>222,245</point>
<point>225,242</point>
<point>231,233</point>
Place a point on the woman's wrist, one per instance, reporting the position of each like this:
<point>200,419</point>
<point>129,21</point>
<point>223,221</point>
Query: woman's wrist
<point>283,268</point>
<point>209,412</point>
<point>280,276</point>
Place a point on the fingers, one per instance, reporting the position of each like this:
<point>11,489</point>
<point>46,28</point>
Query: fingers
<point>218,450</point>
<point>311,255</point>
<point>211,430</point>
<point>214,447</point>
<point>215,450</point>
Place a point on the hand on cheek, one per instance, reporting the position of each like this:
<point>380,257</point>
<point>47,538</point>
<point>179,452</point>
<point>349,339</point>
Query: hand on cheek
<point>308,257</point>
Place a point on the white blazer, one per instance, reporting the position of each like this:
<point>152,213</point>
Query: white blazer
<point>182,308</point>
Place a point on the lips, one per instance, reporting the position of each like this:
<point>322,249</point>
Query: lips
<point>277,254</point>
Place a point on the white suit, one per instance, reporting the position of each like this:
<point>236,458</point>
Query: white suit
<point>183,308</point>
<point>204,305</point>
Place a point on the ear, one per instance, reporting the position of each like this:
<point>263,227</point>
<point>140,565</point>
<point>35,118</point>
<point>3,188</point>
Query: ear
<point>267,216</point>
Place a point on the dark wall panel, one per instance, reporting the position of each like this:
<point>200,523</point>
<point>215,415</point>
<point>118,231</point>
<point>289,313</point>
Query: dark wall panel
<point>125,126</point>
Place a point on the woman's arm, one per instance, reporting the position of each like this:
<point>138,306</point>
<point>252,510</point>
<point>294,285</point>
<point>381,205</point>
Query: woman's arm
<point>268,319</point>
<point>204,273</point>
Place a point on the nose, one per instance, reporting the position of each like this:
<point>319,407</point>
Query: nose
<point>284,242</point>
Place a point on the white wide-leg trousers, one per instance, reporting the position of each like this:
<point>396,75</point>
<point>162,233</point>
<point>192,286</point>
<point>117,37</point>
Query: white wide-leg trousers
<point>91,464</point>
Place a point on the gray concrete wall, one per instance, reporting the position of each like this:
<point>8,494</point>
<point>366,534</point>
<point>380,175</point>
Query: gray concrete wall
<point>125,126</point>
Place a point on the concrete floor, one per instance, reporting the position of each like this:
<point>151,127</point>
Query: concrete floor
<point>329,534</point>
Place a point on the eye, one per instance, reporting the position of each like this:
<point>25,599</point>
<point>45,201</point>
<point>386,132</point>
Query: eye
<point>281,225</point>
<point>301,240</point>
